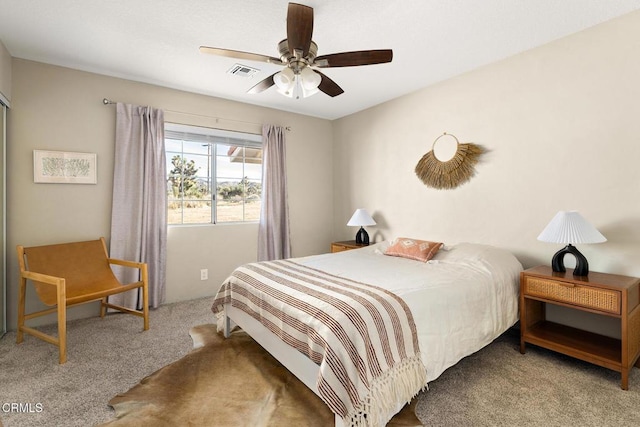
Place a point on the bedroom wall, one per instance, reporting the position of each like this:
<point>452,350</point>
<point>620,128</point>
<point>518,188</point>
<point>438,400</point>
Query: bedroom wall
<point>561,123</point>
<point>56,108</point>
<point>5,74</point>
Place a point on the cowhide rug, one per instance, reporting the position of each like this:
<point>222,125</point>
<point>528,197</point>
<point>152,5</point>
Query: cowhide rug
<point>230,383</point>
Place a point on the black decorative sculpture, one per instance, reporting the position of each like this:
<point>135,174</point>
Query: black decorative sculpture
<point>582,266</point>
<point>362,237</point>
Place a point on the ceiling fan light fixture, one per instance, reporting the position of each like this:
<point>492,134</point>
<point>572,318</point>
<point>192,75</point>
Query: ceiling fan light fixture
<point>308,92</point>
<point>288,91</point>
<point>310,79</point>
<point>285,79</point>
<point>297,85</point>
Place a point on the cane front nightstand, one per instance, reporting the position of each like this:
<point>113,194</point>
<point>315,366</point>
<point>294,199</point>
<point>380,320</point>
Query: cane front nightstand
<point>608,295</point>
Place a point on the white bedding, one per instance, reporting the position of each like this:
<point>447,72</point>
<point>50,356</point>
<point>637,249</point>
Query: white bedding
<point>461,300</point>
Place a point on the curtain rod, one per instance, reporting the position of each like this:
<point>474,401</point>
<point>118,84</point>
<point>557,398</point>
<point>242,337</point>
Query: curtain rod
<point>107,101</point>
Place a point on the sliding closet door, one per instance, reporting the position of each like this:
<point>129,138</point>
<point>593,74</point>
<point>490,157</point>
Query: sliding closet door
<point>3,281</point>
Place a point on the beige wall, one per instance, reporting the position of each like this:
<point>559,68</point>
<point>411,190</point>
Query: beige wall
<point>55,108</point>
<point>5,74</point>
<point>562,123</point>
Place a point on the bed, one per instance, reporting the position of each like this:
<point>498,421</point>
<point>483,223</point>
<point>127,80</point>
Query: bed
<point>413,319</point>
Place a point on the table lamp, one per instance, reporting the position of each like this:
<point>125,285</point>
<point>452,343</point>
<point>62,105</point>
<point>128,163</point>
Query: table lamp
<point>570,227</point>
<point>361,218</point>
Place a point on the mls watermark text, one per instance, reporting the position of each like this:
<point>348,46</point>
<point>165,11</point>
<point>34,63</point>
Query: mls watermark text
<point>22,407</point>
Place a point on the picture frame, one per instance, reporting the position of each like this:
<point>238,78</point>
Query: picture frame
<point>63,167</point>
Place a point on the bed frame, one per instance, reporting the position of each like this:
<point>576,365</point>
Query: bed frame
<point>297,363</point>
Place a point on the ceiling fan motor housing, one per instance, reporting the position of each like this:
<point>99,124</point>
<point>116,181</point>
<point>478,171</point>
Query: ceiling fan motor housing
<point>296,61</point>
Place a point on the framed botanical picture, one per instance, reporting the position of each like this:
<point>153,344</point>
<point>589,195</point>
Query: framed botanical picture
<point>64,167</point>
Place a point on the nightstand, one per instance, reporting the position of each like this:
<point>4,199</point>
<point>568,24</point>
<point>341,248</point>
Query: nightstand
<point>604,294</point>
<point>345,246</point>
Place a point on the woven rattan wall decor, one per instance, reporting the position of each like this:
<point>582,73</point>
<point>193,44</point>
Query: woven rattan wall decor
<point>446,175</point>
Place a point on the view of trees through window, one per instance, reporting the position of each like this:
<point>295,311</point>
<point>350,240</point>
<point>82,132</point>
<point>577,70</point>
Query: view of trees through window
<point>213,177</point>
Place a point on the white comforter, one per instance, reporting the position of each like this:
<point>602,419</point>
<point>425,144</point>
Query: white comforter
<point>461,300</point>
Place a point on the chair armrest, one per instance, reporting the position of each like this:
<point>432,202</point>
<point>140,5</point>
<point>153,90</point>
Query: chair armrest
<point>125,263</point>
<point>42,278</point>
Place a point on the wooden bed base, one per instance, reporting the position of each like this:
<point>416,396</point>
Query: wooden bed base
<point>297,363</point>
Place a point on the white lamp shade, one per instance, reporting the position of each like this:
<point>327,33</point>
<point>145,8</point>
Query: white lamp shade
<point>361,218</point>
<point>284,79</point>
<point>308,92</point>
<point>570,227</point>
<point>288,92</point>
<point>310,79</point>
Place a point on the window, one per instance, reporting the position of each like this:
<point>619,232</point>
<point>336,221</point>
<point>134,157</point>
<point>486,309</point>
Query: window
<point>213,176</point>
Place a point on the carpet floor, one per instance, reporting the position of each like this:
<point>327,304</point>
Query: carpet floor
<point>229,382</point>
<point>497,386</point>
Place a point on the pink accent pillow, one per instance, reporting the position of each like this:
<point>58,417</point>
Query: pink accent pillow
<point>419,250</point>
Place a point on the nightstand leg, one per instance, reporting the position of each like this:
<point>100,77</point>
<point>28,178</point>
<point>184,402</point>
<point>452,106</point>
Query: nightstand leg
<point>522,346</point>
<point>625,379</point>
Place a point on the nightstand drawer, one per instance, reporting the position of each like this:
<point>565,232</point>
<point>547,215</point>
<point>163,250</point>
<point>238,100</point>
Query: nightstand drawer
<point>336,247</point>
<point>605,300</point>
<point>345,245</point>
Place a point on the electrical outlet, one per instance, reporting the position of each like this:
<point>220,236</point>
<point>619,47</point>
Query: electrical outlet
<point>204,274</point>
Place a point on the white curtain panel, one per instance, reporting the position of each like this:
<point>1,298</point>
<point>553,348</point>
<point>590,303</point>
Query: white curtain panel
<point>273,231</point>
<point>139,211</point>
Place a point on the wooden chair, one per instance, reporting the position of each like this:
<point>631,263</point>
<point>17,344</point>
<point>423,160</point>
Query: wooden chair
<point>69,274</point>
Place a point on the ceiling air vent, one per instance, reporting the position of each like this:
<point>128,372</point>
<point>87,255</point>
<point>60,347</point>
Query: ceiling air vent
<point>242,70</point>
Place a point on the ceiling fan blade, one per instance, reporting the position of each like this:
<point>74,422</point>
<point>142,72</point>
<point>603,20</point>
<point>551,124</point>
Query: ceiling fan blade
<point>240,55</point>
<point>263,85</point>
<point>328,86</point>
<point>351,59</point>
<point>299,28</point>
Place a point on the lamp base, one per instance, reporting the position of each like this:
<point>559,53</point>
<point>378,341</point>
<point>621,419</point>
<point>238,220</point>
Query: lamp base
<point>362,238</point>
<point>582,266</point>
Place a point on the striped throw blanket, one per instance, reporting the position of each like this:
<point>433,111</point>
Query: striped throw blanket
<point>362,337</point>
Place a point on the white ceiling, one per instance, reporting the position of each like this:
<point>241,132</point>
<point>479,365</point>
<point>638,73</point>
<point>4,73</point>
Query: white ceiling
<point>157,41</point>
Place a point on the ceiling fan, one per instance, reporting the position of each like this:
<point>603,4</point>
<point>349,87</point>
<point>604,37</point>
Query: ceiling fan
<point>298,53</point>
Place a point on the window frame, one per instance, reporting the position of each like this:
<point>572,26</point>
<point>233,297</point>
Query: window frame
<point>214,138</point>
